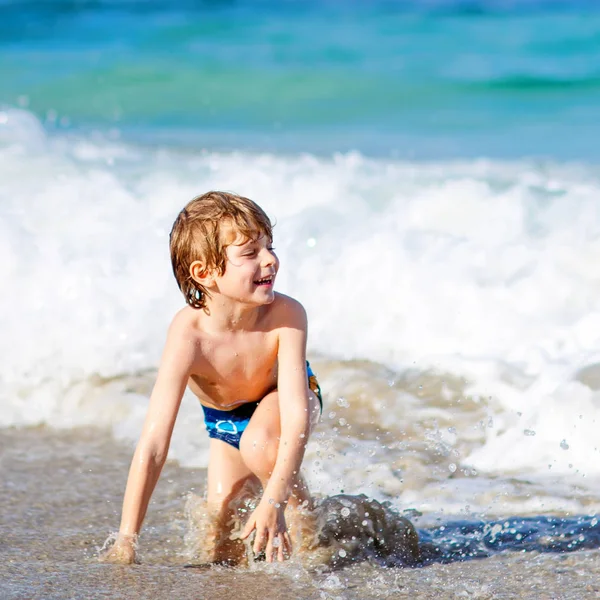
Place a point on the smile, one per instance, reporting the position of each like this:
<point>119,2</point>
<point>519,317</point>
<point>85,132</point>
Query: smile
<point>265,281</point>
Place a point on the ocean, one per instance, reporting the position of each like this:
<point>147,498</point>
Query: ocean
<point>432,169</point>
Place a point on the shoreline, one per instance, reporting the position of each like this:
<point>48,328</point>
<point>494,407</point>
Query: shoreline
<point>62,499</point>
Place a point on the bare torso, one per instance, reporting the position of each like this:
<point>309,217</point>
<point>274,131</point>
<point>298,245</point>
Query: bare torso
<point>235,367</point>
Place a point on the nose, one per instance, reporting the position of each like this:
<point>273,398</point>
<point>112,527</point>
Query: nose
<point>268,258</point>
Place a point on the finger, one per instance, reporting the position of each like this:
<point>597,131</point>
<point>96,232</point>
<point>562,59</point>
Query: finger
<point>259,540</point>
<point>287,542</point>
<point>281,548</point>
<point>250,526</point>
<point>269,550</point>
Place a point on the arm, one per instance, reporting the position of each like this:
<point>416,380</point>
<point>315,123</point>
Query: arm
<point>292,387</point>
<point>268,518</point>
<point>153,446</point>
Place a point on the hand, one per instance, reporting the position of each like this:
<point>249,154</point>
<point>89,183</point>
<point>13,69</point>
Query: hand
<point>269,521</point>
<point>122,552</point>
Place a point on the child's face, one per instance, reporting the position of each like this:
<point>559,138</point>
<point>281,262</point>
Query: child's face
<point>250,270</point>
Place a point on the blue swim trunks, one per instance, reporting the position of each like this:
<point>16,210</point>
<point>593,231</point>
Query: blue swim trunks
<point>228,425</point>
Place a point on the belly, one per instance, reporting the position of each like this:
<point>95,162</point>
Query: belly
<point>227,393</point>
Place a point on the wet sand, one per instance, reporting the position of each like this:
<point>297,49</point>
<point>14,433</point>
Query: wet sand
<point>61,498</point>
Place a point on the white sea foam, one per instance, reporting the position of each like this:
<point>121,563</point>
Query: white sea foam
<point>482,269</point>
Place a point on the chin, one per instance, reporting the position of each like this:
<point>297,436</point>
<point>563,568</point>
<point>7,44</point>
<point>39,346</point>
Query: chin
<point>267,298</point>
<point>260,301</point>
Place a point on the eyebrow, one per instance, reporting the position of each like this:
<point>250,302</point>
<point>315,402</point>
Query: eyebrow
<point>251,242</point>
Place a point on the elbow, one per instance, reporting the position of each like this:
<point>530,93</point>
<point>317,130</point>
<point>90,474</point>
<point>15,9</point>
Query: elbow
<point>159,456</point>
<point>153,453</point>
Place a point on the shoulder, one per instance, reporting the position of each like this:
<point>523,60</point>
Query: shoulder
<point>288,312</point>
<point>184,323</point>
<point>184,332</point>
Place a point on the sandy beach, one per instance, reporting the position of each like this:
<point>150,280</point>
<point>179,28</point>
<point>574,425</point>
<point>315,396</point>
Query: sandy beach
<point>61,499</point>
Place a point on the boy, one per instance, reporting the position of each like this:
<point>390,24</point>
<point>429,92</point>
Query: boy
<point>240,347</point>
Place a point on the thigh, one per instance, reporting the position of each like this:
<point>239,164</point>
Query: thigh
<point>227,472</point>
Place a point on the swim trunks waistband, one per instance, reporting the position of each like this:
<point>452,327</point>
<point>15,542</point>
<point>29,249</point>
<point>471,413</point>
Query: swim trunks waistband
<point>229,425</point>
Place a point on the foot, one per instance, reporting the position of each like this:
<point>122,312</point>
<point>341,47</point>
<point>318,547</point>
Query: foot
<point>122,552</point>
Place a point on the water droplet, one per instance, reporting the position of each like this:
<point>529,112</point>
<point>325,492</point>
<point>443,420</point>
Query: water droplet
<point>276,542</point>
<point>529,432</point>
<point>364,523</point>
<point>452,467</point>
<point>342,402</point>
<point>342,552</point>
<point>345,512</point>
<point>332,582</point>
<point>332,414</point>
<point>564,445</point>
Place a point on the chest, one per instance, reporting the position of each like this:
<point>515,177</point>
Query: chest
<point>243,356</point>
<point>239,367</point>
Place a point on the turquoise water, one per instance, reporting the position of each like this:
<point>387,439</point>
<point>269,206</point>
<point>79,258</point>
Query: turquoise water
<point>408,79</point>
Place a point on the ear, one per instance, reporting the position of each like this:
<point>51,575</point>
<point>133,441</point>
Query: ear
<point>200,274</point>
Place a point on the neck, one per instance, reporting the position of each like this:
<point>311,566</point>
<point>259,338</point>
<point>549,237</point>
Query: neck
<point>228,315</point>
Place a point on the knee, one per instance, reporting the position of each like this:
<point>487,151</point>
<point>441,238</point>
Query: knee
<point>259,446</point>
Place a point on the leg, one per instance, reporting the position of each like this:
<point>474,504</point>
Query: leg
<point>260,442</point>
<point>259,446</point>
<point>227,474</point>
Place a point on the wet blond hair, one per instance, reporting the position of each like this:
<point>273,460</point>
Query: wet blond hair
<point>203,230</point>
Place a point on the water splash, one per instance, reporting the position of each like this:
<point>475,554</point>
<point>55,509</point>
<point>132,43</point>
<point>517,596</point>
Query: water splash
<point>337,531</point>
<point>342,530</point>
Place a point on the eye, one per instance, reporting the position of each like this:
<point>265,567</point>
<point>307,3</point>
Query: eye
<point>271,248</point>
